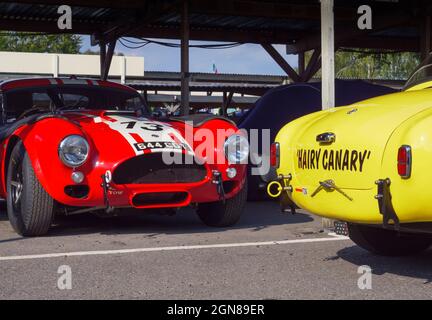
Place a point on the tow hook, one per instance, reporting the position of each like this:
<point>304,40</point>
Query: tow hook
<point>385,205</point>
<point>281,189</point>
<point>217,180</point>
<point>276,187</point>
<point>106,180</point>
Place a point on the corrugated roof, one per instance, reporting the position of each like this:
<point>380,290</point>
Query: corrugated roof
<point>220,77</point>
<point>244,88</point>
<point>273,21</point>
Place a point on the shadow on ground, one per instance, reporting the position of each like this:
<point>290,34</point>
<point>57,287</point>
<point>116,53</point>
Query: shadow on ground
<point>417,266</point>
<point>257,216</point>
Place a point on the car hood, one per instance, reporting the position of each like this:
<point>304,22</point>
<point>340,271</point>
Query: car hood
<point>120,135</point>
<point>361,132</point>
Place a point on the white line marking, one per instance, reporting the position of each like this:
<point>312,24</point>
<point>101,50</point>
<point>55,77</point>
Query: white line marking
<point>192,247</point>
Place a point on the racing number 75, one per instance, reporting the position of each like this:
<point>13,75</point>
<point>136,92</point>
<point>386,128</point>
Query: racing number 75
<point>147,125</point>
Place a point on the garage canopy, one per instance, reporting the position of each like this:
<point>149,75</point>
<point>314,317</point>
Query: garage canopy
<point>397,25</point>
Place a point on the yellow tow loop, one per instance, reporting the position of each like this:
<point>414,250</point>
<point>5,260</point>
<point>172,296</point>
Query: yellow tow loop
<point>278,190</point>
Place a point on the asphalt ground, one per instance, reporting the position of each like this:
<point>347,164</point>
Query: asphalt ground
<point>268,255</point>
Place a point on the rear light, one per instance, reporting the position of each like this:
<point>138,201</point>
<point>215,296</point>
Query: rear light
<point>274,155</point>
<point>404,161</point>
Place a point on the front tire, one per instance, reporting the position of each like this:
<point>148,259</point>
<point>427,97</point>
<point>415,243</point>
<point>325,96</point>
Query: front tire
<point>223,214</point>
<point>387,242</point>
<point>30,208</point>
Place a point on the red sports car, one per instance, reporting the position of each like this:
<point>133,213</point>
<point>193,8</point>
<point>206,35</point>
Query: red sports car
<point>77,145</point>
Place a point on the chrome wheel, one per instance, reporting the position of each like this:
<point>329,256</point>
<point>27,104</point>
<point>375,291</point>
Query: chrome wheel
<point>16,191</point>
<point>16,186</point>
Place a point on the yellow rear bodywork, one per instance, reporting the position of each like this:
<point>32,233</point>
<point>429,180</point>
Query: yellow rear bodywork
<point>368,135</point>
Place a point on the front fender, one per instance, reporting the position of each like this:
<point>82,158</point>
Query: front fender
<point>41,141</point>
<point>220,129</point>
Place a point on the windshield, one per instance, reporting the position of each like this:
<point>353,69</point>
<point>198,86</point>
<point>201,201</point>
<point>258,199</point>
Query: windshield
<point>75,97</point>
<point>422,74</point>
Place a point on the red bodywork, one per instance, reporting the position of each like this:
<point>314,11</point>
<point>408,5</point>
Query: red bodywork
<point>108,149</point>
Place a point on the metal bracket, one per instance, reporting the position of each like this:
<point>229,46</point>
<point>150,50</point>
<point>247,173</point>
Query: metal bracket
<point>217,180</point>
<point>286,204</point>
<point>385,204</point>
<point>330,185</point>
<point>282,192</point>
<point>105,186</point>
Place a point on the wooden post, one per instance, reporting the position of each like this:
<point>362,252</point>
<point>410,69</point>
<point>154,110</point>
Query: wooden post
<point>227,99</point>
<point>185,58</point>
<point>327,54</point>
<point>102,55</point>
<point>145,96</point>
<point>301,64</point>
<point>108,58</point>
<point>425,37</point>
<point>327,66</point>
<point>224,102</point>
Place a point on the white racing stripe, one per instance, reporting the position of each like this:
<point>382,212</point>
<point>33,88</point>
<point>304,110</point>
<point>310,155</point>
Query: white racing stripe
<point>175,248</point>
<point>148,130</point>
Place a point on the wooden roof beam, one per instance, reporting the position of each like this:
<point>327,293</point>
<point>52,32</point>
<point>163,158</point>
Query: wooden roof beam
<point>312,66</point>
<point>228,35</point>
<point>281,62</point>
<point>267,9</point>
<point>243,36</point>
<point>125,4</point>
<point>343,33</point>
<point>383,43</point>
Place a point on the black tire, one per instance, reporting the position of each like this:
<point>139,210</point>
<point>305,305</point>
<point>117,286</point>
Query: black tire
<point>220,214</point>
<point>30,208</point>
<point>387,242</point>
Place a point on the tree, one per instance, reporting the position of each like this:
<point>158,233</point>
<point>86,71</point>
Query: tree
<point>97,52</point>
<point>370,65</point>
<point>26,42</point>
<point>366,64</point>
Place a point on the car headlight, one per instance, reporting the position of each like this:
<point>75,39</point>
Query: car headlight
<point>73,150</point>
<point>236,149</point>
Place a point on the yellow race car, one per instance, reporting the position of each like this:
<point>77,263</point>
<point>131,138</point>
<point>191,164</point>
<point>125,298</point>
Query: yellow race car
<point>367,164</point>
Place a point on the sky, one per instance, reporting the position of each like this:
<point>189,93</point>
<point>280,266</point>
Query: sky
<point>244,59</point>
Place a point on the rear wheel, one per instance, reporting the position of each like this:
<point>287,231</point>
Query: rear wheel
<point>30,208</point>
<point>223,214</point>
<point>387,242</point>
